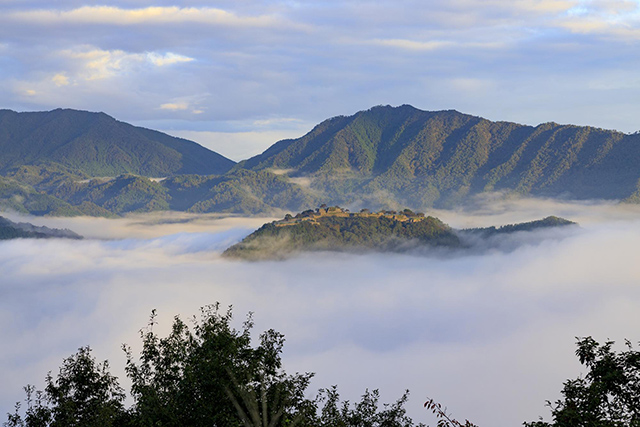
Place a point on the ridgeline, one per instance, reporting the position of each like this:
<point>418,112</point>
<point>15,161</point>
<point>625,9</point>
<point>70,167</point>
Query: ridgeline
<point>338,229</point>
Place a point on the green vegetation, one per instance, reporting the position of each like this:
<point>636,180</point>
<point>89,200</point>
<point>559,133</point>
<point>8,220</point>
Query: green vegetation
<point>94,144</point>
<point>335,228</point>
<point>79,163</point>
<point>13,230</point>
<point>550,221</point>
<point>607,396</point>
<point>211,375</point>
<point>410,157</point>
<point>206,375</point>
<point>23,198</point>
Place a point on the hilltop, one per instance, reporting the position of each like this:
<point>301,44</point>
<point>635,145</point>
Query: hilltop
<point>406,156</point>
<point>338,229</point>
<point>86,144</point>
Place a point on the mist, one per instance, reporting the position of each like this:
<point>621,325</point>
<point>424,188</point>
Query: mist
<point>490,335</point>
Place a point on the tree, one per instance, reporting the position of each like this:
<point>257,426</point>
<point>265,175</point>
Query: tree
<point>83,394</point>
<point>210,375</point>
<point>365,413</point>
<point>607,396</point>
<point>206,374</point>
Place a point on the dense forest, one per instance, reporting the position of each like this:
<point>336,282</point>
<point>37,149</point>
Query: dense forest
<point>67,162</point>
<point>337,229</point>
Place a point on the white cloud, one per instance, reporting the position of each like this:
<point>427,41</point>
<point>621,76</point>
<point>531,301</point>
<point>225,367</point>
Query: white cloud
<point>465,330</point>
<point>174,106</point>
<point>98,64</point>
<point>167,59</point>
<point>411,44</point>
<point>95,64</point>
<point>150,15</point>
<point>60,79</point>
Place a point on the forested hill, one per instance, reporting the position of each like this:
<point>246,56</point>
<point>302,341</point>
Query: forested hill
<point>95,144</point>
<point>24,230</point>
<point>337,229</point>
<point>440,158</point>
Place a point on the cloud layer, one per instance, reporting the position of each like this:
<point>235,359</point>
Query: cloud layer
<point>491,335</point>
<point>197,68</point>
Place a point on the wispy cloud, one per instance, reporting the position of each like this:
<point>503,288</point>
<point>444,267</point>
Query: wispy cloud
<point>174,106</point>
<point>149,15</point>
<point>60,79</point>
<point>412,44</point>
<point>167,59</point>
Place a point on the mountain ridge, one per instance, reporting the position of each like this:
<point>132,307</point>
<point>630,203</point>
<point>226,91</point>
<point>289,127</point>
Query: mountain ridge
<point>96,144</point>
<point>383,157</point>
<point>446,156</point>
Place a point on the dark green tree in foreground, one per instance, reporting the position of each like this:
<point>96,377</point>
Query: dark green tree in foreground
<point>208,374</point>
<point>83,394</point>
<point>607,396</point>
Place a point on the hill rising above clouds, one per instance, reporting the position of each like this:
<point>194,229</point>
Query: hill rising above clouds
<point>338,229</point>
<point>420,158</point>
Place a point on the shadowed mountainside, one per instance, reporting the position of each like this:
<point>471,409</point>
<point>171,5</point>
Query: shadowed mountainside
<point>67,162</point>
<point>16,230</point>
<point>441,158</point>
<point>95,144</point>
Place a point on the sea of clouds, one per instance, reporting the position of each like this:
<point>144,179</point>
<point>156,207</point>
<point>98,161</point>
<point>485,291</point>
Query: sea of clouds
<point>490,334</point>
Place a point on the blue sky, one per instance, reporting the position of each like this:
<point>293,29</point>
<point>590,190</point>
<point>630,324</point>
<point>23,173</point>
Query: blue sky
<point>238,75</point>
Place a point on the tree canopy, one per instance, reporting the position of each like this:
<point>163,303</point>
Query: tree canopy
<point>207,374</point>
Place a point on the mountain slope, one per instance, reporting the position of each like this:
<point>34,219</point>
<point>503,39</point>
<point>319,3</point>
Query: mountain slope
<point>440,158</point>
<point>95,144</point>
<point>25,230</point>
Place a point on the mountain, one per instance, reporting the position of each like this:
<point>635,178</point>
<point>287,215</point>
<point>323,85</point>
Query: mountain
<point>67,162</point>
<point>422,158</point>
<point>83,144</point>
<point>25,230</point>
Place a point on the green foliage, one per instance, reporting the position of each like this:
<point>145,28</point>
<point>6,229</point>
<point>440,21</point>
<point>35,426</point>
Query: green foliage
<point>607,396</point>
<point>95,144</point>
<point>405,156</point>
<point>365,413</point>
<point>208,374</point>
<point>548,222</point>
<point>84,394</point>
<point>444,419</point>
<point>353,232</point>
<point>23,198</point>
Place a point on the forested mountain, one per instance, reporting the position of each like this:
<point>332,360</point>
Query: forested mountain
<point>94,144</point>
<point>25,230</point>
<point>67,162</point>
<point>421,158</point>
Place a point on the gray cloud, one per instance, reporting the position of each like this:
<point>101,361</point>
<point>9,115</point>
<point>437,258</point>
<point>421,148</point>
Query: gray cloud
<point>527,61</point>
<point>468,330</point>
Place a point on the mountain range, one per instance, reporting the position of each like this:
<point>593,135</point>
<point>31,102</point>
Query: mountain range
<point>68,162</point>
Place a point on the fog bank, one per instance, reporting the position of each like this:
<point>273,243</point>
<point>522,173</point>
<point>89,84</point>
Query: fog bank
<point>489,335</point>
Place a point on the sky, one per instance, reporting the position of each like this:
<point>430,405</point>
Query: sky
<point>236,76</point>
<point>490,335</point>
